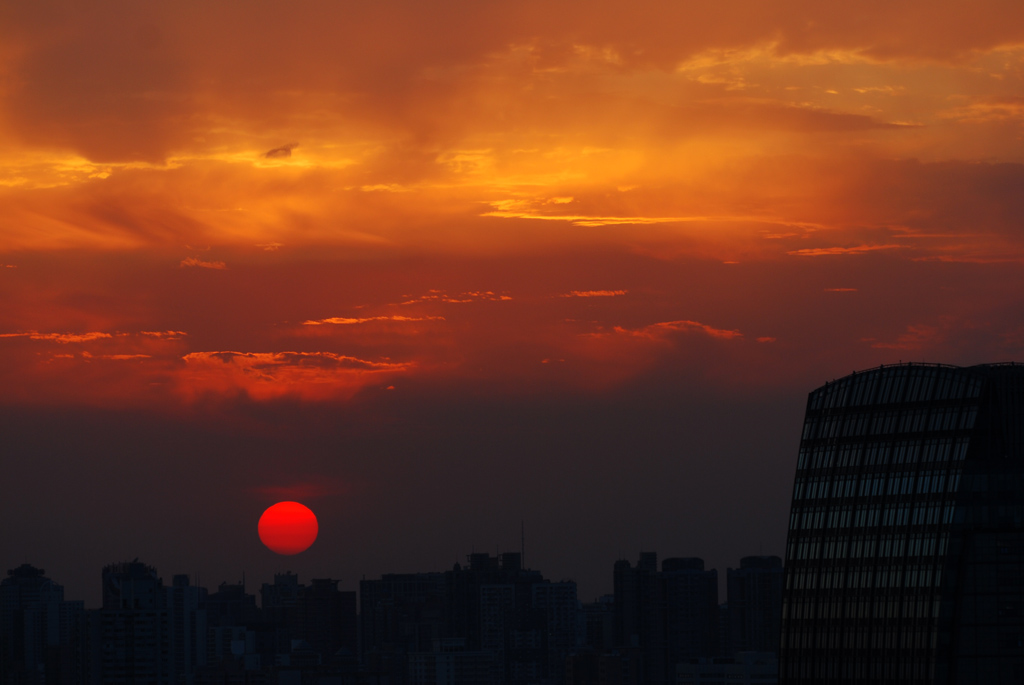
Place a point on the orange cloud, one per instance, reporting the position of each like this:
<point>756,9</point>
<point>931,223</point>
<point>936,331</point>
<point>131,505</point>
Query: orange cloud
<point>167,335</point>
<point>195,261</point>
<point>59,337</point>
<point>658,330</point>
<point>595,293</point>
<point>462,298</point>
<point>116,357</point>
<point>859,249</point>
<point>270,375</point>
<point>341,320</point>
<point>449,136</point>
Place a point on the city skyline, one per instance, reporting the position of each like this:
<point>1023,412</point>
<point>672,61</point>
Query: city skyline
<point>444,270</point>
<point>93,598</point>
<point>489,620</point>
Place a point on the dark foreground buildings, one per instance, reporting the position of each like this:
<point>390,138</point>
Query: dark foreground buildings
<point>905,558</point>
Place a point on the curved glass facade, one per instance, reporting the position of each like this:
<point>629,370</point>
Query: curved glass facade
<point>908,485</point>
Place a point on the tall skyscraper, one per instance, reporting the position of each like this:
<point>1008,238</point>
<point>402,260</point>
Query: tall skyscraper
<point>905,558</point>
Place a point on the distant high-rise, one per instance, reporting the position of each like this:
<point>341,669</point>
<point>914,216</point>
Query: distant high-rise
<point>905,558</point>
<point>319,614</point>
<point>755,604</point>
<point>134,626</point>
<point>493,616</point>
<point>666,616</point>
<point>42,637</point>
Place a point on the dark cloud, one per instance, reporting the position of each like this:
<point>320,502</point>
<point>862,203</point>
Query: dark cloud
<point>283,152</point>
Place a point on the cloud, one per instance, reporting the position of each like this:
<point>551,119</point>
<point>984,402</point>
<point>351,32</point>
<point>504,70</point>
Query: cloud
<point>63,338</point>
<point>987,111</point>
<point>659,330</point>
<point>584,220</point>
<point>116,357</point>
<point>461,298</point>
<point>195,261</point>
<point>594,293</point>
<point>167,335</point>
<point>858,249</point>
<point>283,152</point>
<point>340,320</point>
<point>384,187</point>
<point>271,360</point>
<point>271,375</point>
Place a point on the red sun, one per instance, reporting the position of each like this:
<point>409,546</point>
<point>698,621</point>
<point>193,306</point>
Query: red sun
<point>288,528</point>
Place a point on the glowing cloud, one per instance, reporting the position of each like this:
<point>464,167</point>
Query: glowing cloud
<point>63,338</point>
<point>859,249</point>
<point>270,375</point>
<point>166,335</point>
<point>341,320</point>
<point>462,298</point>
<point>595,293</point>
<point>663,328</point>
<point>195,261</point>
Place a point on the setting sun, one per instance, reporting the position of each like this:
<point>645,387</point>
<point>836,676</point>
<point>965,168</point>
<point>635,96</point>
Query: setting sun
<point>288,528</point>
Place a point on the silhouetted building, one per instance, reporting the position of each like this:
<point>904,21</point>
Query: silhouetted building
<point>905,558</point>
<point>557,627</point>
<point>525,625</point>
<point>599,617</point>
<point>319,615</point>
<point>449,663</point>
<point>231,605</point>
<point>400,614</point>
<point>755,605</point>
<point>134,626</point>
<point>691,606</point>
<point>667,616</point>
<point>515,614</point>
<point>43,638</point>
<point>329,620</point>
<point>186,610</point>
<point>148,633</point>
<point>640,614</point>
<point>745,668</point>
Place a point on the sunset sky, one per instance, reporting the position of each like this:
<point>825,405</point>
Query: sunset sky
<point>440,268</point>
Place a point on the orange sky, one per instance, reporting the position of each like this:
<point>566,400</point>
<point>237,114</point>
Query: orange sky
<point>314,203</point>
